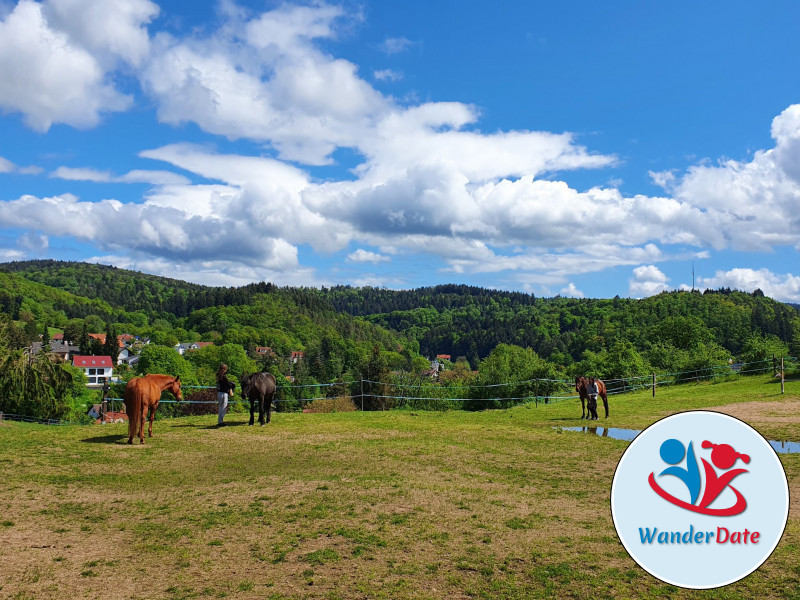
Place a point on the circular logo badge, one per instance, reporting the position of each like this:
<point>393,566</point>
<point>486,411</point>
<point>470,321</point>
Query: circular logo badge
<point>699,499</point>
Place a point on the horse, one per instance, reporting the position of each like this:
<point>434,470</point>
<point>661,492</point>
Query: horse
<point>259,387</point>
<point>581,386</point>
<point>142,395</point>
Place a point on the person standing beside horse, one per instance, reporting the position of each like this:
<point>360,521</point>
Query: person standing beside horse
<point>589,399</point>
<point>225,388</point>
<point>592,390</point>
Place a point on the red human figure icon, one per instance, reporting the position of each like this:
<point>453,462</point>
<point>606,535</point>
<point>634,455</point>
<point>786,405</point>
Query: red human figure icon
<point>724,457</point>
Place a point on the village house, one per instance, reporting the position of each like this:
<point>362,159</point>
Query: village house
<point>100,337</point>
<point>189,346</point>
<point>58,349</point>
<point>127,357</point>
<point>124,340</point>
<point>110,416</point>
<point>98,369</point>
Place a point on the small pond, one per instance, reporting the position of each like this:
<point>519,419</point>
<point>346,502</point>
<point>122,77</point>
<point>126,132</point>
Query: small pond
<point>629,434</point>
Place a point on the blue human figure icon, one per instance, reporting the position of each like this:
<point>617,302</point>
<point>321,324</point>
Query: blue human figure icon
<point>672,453</point>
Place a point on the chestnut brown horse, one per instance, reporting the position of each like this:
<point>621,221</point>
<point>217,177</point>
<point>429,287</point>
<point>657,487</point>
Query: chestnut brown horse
<point>589,405</point>
<point>142,395</point>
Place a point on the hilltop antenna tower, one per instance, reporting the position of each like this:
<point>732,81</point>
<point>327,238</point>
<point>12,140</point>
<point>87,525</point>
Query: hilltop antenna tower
<point>692,275</point>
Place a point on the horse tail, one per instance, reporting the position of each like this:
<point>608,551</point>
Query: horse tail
<point>133,408</point>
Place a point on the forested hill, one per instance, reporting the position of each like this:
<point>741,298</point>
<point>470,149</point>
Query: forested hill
<point>370,300</point>
<point>69,296</point>
<point>132,291</point>
<point>470,322</point>
<point>457,320</point>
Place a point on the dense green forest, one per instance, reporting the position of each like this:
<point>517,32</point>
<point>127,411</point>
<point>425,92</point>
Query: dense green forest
<point>470,322</point>
<point>352,334</point>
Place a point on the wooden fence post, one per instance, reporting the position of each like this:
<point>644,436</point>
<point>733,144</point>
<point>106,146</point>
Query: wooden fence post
<point>654,385</point>
<point>782,387</point>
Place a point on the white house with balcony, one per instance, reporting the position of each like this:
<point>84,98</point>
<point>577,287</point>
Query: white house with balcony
<point>98,369</point>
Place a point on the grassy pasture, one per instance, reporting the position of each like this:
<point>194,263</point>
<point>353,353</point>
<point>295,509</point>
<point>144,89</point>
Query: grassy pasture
<point>389,505</point>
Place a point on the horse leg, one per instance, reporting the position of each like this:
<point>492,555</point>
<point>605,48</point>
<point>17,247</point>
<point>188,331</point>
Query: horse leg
<point>150,427</point>
<point>252,410</point>
<point>144,420</point>
<point>261,401</point>
<point>269,401</point>
<point>605,403</point>
<point>583,408</point>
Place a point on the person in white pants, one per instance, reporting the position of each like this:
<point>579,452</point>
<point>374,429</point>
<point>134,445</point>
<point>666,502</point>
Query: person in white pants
<point>224,388</point>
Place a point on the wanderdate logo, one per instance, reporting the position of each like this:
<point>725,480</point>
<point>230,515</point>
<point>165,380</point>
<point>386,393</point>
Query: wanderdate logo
<point>699,499</point>
<point>723,457</point>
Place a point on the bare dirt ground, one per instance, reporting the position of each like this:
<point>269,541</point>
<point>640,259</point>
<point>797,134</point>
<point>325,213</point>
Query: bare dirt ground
<point>764,412</point>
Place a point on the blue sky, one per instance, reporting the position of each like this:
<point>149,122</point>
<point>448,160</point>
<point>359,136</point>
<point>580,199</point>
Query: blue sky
<point>576,148</point>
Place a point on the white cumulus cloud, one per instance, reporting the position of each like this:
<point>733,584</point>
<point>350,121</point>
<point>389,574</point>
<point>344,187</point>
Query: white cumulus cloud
<point>361,256</point>
<point>784,287</point>
<point>647,280</point>
<point>49,77</point>
<point>571,291</point>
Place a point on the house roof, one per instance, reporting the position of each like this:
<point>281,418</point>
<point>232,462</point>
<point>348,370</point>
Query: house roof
<point>99,336</point>
<point>56,347</point>
<point>113,417</point>
<point>121,339</point>
<point>88,362</point>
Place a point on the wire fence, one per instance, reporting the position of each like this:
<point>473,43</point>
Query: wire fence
<point>366,394</point>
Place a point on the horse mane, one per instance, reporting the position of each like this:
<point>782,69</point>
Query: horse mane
<point>163,380</point>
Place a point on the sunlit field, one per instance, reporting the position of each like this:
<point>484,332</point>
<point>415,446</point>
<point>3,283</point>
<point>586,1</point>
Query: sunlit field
<point>403,504</point>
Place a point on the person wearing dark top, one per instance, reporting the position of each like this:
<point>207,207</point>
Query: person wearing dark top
<point>225,388</point>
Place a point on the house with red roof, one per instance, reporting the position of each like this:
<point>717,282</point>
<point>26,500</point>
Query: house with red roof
<point>98,369</point>
<point>100,337</point>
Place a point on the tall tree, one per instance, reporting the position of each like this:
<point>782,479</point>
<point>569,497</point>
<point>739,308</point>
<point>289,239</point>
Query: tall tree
<point>85,342</point>
<point>111,345</point>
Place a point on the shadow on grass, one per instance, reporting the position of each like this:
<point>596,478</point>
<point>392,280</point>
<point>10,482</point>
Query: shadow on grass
<point>225,426</point>
<point>108,439</point>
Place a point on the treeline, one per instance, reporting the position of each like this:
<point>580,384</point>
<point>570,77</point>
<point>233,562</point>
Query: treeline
<point>132,291</point>
<point>463,321</point>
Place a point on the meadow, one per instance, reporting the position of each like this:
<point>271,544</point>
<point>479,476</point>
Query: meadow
<point>398,504</point>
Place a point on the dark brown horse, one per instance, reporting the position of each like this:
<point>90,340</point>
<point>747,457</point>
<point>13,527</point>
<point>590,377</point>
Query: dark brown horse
<point>589,404</point>
<point>259,388</point>
<point>142,395</point>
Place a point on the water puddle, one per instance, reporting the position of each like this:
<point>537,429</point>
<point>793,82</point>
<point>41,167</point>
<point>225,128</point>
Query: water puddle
<point>628,435</point>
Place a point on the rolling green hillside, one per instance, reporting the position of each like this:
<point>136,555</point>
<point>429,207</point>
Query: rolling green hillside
<point>470,322</point>
<point>19,294</point>
<point>666,332</point>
